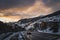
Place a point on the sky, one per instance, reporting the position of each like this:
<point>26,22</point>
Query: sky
<point>19,9</point>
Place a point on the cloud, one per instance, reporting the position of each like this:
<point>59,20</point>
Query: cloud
<point>28,8</point>
<point>54,4</point>
<point>15,3</point>
<point>51,2</point>
<point>11,7</point>
<point>33,8</point>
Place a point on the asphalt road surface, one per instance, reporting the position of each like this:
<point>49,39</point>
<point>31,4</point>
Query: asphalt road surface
<point>43,36</point>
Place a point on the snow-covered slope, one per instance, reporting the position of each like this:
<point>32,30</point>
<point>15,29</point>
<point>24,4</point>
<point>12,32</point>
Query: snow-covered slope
<point>30,23</point>
<point>34,25</point>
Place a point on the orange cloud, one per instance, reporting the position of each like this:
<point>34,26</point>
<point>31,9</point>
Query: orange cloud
<point>39,8</point>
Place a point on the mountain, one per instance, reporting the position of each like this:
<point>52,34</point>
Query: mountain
<point>29,20</point>
<point>38,28</point>
<point>31,23</point>
<point>26,24</point>
<point>37,18</point>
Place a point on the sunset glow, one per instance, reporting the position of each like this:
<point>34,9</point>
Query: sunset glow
<point>16,13</point>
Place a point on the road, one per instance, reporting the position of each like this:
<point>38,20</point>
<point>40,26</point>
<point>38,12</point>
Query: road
<point>43,36</point>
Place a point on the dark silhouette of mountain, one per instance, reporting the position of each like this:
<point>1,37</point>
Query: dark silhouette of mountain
<point>39,17</point>
<point>22,21</point>
<point>17,31</point>
<point>4,27</point>
<point>52,14</point>
<point>32,20</point>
